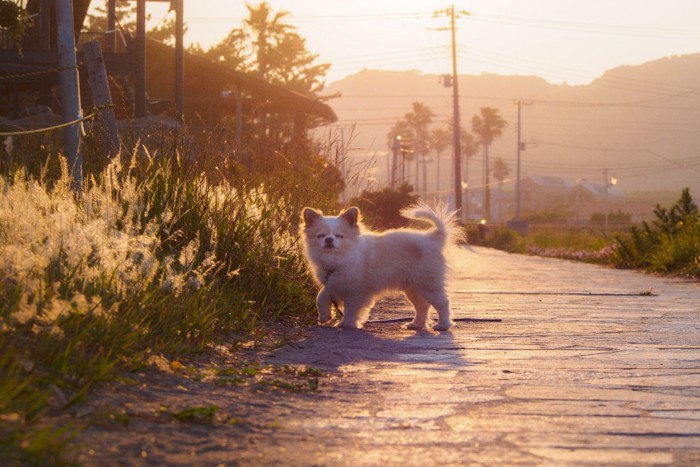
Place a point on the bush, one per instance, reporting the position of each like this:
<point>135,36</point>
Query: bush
<point>381,210</point>
<point>505,239</point>
<point>671,243</point>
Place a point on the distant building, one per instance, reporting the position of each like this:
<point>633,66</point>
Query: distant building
<point>543,193</point>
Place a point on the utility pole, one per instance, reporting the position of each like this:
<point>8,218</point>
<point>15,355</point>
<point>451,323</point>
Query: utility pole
<point>521,147</point>
<point>455,107</point>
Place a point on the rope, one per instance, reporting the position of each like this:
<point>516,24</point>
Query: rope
<point>4,134</point>
<point>37,73</point>
<point>92,115</point>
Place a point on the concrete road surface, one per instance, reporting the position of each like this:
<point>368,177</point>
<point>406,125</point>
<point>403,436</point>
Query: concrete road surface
<point>586,365</point>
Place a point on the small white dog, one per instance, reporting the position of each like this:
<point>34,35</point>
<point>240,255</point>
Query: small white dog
<point>355,266</point>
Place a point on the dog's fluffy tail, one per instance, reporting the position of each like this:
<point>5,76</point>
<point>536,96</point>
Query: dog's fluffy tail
<point>446,223</point>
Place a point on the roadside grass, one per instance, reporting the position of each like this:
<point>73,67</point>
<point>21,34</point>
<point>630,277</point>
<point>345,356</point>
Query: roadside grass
<point>551,242</point>
<point>670,244</point>
<point>158,255</point>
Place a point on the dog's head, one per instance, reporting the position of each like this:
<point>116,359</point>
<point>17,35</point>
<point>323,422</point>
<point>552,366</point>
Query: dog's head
<point>331,234</point>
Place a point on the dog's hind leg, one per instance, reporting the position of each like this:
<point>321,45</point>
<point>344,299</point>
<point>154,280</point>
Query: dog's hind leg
<point>421,305</point>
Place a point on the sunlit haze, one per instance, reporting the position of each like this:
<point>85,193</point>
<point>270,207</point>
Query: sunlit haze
<point>559,40</point>
<point>570,131</point>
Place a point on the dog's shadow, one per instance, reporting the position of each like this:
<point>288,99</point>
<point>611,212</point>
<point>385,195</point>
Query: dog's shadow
<point>331,348</point>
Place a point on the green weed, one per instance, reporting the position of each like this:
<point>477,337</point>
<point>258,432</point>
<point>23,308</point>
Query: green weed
<point>196,414</point>
<point>669,244</point>
<point>160,254</point>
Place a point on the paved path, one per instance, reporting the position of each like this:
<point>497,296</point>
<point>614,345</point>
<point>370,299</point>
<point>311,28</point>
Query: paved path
<point>585,367</point>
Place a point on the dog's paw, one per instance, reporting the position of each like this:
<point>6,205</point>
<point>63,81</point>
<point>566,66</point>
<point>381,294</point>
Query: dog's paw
<point>348,325</point>
<point>324,318</point>
<point>414,325</point>
<point>443,326</point>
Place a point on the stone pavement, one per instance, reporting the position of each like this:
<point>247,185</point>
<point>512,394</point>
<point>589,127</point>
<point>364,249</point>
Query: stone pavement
<point>588,365</point>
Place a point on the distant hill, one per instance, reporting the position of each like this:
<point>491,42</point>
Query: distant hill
<point>641,123</point>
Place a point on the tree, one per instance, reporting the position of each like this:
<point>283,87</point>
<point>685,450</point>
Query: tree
<point>415,127</point>
<point>292,66</point>
<point>281,56</point>
<point>488,126</point>
<point>500,171</point>
<point>440,140</point>
<point>470,146</point>
<point>14,21</point>
<point>268,30</point>
<point>400,134</point>
<point>233,51</point>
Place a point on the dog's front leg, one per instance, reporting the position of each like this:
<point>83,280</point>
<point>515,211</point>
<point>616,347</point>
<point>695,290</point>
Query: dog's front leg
<point>323,303</point>
<point>355,313</point>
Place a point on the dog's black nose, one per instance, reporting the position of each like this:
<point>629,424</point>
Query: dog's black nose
<point>329,241</point>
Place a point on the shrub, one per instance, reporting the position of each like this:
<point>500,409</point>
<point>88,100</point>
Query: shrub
<point>505,239</point>
<point>671,243</point>
<point>382,209</point>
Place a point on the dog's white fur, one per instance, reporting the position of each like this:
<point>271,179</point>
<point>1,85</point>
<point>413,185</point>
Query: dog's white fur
<point>356,266</point>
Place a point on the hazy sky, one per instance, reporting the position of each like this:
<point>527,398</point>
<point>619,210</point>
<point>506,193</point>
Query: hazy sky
<point>560,40</point>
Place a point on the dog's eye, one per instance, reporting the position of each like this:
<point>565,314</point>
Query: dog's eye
<point>339,236</point>
<point>320,235</point>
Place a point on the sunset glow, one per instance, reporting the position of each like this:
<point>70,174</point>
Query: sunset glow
<point>561,41</point>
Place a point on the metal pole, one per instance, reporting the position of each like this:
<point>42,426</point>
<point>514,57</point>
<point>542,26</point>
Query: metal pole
<point>605,199</point>
<point>70,89</point>
<point>517,171</point>
<point>455,105</point>
<point>395,148</point>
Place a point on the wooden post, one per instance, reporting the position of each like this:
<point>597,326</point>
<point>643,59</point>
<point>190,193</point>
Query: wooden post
<point>45,25</point>
<point>70,90</point>
<point>179,61</point>
<point>101,97</point>
<point>111,37</point>
<point>140,78</point>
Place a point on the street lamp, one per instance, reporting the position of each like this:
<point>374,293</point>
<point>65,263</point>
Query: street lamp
<point>395,148</point>
<point>612,181</point>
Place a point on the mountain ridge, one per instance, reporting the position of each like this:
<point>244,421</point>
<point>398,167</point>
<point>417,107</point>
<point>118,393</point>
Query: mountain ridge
<point>636,121</point>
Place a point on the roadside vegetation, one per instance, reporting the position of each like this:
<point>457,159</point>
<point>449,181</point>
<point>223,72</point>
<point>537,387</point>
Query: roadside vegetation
<point>157,256</point>
<point>171,248</point>
<point>669,244</point>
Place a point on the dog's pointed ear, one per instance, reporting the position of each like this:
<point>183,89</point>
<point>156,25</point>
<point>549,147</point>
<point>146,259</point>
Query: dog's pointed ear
<point>311,216</point>
<point>351,216</point>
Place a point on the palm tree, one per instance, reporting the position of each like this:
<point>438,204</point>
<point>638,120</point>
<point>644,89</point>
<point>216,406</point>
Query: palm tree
<point>440,140</point>
<point>470,146</point>
<point>399,140</point>
<point>414,130</point>
<point>500,171</point>
<point>419,119</point>
<point>266,27</point>
<point>488,126</point>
